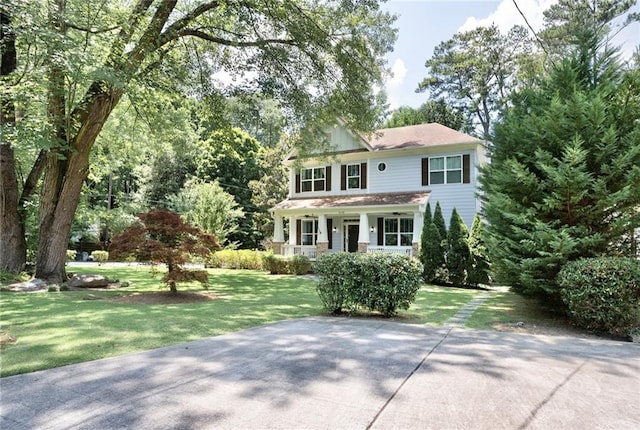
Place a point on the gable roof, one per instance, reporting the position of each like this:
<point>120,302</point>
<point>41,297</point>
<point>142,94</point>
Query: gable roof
<point>418,136</point>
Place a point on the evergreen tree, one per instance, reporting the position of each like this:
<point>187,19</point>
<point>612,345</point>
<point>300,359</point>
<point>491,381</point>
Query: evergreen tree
<point>431,252</point>
<point>479,269</point>
<point>564,181</point>
<point>458,254</point>
<point>438,220</point>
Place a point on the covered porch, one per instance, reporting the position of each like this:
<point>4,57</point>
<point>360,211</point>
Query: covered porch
<point>389,222</point>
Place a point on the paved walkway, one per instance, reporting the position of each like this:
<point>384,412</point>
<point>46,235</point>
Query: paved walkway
<point>340,373</point>
<point>464,313</point>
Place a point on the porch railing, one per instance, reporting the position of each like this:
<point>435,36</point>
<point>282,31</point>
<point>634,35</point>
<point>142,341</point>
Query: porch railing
<point>404,250</point>
<point>308,251</point>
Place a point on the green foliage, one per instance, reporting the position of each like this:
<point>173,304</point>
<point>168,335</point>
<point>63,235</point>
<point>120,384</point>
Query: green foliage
<point>100,256</point>
<point>230,156</point>
<point>289,265</point>
<point>163,237</point>
<point>430,111</point>
<point>377,281</point>
<point>474,70</point>
<point>564,181</point>
<point>438,220</point>
<point>209,207</point>
<point>603,293</point>
<point>479,269</point>
<point>431,253</point>
<point>458,254</point>
<point>71,254</point>
<point>238,259</point>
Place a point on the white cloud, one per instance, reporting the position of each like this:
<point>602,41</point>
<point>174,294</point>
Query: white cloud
<point>395,81</point>
<point>506,15</point>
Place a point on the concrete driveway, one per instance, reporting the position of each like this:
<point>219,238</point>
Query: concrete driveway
<point>333,373</point>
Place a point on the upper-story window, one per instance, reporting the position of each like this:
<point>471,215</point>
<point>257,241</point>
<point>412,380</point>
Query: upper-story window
<point>313,179</point>
<point>398,231</point>
<point>353,176</point>
<point>451,169</point>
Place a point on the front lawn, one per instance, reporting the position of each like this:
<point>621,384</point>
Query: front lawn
<point>58,328</point>
<point>54,329</point>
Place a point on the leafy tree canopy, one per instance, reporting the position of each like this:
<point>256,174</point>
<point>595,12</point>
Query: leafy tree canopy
<point>474,72</point>
<point>430,111</point>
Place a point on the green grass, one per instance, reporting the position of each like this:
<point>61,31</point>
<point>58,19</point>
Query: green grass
<point>54,329</point>
<point>508,308</point>
<point>434,305</point>
<point>58,328</point>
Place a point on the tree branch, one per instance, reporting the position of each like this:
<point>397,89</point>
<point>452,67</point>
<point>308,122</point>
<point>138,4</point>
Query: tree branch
<point>91,30</point>
<point>236,43</point>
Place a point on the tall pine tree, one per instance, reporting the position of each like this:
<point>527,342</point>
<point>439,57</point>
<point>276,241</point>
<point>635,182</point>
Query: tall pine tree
<point>564,181</point>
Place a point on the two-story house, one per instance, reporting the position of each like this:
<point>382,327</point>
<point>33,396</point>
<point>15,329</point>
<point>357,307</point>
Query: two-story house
<point>371,193</point>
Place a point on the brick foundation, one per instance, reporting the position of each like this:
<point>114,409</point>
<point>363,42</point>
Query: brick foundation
<point>322,248</point>
<point>363,246</point>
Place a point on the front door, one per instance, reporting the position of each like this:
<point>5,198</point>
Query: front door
<point>351,241</point>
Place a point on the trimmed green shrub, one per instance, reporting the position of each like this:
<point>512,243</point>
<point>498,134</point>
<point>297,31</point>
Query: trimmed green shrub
<point>378,281</point>
<point>602,293</point>
<point>100,256</point>
<point>336,274</point>
<point>458,254</point>
<point>431,252</point>
<point>238,259</point>
<point>281,265</point>
<point>71,254</point>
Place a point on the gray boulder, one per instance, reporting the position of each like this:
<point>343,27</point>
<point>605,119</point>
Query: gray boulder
<point>31,286</point>
<point>88,281</point>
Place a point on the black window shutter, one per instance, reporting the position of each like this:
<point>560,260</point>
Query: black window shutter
<point>466,168</point>
<point>343,177</point>
<point>380,231</point>
<point>425,171</point>
<point>327,176</point>
<point>298,183</point>
<point>330,232</point>
<point>363,175</point>
<point>298,232</point>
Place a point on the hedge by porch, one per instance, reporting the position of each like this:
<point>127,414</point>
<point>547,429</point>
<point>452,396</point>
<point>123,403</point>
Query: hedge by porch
<point>375,281</point>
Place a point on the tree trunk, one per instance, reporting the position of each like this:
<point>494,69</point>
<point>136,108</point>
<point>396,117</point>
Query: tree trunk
<point>62,186</point>
<point>13,245</point>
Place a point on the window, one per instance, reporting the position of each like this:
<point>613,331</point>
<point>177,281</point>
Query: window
<point>398,231</point>
<point>382,167</point>
<point>309,234</point>
<point>313,179</point>
<point>445,170</point>
<point>353,176</point>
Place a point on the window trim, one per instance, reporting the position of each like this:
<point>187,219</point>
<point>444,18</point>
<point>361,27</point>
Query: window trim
<point>398,234</point>
<point>313,179</point>
<point>358,176</point>
<point>313,234</point>
<point>465,175</point>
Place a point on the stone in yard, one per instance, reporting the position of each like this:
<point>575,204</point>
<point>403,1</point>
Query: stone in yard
<point>88,281</point>
<point>31,286</point>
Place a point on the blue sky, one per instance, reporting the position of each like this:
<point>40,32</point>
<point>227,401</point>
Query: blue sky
<point>423,24</point>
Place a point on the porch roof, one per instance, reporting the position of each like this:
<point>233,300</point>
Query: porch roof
<point>356,200</point>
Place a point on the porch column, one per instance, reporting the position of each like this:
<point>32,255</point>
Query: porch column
<point>292,231</point>
<point>418,222</point>
<point>278,228</point>
<point>322,244</point>
<point>363,233</point>
<point>278,234</point>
